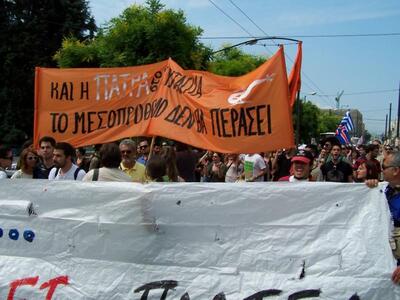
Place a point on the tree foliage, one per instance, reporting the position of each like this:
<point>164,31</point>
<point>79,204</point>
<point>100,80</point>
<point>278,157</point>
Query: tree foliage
<point>314,121</point>
<point>328,121</point>
<point>140,35</point>
<point>32,31</point>
<point>234,62</point>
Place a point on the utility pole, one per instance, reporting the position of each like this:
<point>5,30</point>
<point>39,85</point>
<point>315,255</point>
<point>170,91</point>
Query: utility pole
<point>386,122</point>
<point>398,115</point>
<point>390,120</point>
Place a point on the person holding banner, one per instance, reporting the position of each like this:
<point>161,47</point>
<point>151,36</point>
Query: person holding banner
<point>391,174</point>
<point>302,163</point>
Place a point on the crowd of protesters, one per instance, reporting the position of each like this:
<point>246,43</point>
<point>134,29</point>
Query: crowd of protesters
<point>168,161</point>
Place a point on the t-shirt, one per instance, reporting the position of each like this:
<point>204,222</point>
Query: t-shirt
<point>137,173</point>
<point>21,175</point>
<point>41,171</point>
<point>253,165</point>
<point>108,174</point>
<point>233,172</point>
<point>3,175</point>
<point>339,172</point>
<point>70,175</point>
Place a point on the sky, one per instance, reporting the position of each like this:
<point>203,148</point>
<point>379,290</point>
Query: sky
<point>366,68</point>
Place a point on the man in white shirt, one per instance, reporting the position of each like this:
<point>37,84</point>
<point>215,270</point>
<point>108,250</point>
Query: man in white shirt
<point>64,168</point>
<point>254,167</point>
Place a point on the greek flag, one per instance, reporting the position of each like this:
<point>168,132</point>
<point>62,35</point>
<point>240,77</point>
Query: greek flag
<point>347,121</point>
<point>342,135</point>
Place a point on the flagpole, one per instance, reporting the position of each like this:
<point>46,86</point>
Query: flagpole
<point>298,119</point>
<point>390,121</point>
<point>398,115</point>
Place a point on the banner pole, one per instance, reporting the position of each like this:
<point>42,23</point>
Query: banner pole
<point>298,107</point>
<point>153,139</point>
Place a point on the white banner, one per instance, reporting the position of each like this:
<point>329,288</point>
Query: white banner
<point>74,240</point>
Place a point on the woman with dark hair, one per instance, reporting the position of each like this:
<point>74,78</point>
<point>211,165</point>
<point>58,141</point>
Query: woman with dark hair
<point>217,169</point>
<point>169,156</point>
<point>28,161</point>
<point>156,169</point>
<point>110,158</point>
<point>367,170</point>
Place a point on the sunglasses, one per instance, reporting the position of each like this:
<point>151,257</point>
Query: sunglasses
<point>126,151</point>
<point>32,158</point>
<point>389,166</point>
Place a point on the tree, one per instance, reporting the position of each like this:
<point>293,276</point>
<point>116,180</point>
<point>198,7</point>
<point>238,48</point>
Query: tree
<point>328,122</point>
<point>31,32</point>
<point>309,120</point>
<point>234,62</point>
<point>314,121</point>
<point>142,34</point>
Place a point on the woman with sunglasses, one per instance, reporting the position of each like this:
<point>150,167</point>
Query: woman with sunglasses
<point>27,161</point>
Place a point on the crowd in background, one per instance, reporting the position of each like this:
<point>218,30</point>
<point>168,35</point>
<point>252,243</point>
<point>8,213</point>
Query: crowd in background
<point>168,161</point>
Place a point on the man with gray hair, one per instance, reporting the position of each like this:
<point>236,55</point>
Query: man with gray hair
<point>136,171</point>
<point>391,174</point>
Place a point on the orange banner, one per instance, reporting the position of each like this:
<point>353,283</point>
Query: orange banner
<point>295,76</point>
<point>245,114</point>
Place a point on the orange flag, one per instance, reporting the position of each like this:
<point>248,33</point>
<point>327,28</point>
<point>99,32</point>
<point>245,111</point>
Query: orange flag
<point>245,114</point>
<point>295,76</point>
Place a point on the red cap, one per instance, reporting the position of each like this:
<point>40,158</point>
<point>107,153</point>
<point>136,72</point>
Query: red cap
<point>302,156</point>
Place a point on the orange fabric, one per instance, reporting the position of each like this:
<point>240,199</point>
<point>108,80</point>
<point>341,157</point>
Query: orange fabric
<point>295,76</point>
<point>243,114</point>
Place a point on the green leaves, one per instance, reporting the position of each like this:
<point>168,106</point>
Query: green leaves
<point>140,35</point>
<point>234,62</point>
<point>34,31</point>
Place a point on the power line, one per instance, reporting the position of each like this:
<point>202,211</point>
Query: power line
<point>308,36</point>
<point>250,19</point>
<point>232,19</point>
<point>361,93</point>
<point>305,75</point>
<point>376,120</point>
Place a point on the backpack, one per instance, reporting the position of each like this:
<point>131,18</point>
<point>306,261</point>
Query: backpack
<point>95,174</point>
<point>75,173</point>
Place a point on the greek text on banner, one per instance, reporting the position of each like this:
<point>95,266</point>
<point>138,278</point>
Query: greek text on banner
<point>245,114</point>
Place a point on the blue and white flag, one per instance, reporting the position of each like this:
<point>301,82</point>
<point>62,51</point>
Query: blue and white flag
<point>342,135</point>
<point>347,121</point>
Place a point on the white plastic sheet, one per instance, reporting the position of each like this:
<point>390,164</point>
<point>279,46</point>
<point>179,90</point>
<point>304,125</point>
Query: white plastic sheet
<point>194,241</point>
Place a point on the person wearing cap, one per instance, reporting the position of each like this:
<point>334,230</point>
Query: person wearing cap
<point>301,164</point>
